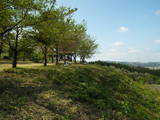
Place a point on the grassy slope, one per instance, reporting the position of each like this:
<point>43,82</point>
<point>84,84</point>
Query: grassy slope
<point>74,93</point>
<point>6,65</point>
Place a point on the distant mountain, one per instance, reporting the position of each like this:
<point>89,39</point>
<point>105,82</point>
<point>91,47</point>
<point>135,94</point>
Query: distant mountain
<point>140,64</point>
<point>153,65</point>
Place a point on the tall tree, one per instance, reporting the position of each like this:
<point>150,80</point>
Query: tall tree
<point>87,48</point>
<point>63,29</point>
<point>79,31</point>
<point>22,12</point>
<point>52,29</point>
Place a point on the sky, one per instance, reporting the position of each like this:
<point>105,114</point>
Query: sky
<point>126,30</point>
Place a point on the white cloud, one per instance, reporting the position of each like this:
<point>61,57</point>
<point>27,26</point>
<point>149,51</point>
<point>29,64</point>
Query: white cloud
<point>112,50</point>
<point>123,29</point>
<point>157,12</point>
<point>157,41</point>
<point>133,50</point>
<point>118,44</point>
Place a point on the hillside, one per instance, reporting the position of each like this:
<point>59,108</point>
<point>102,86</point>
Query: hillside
<point>151,75</point>
<point>77,92</point>
<point>153,65</point>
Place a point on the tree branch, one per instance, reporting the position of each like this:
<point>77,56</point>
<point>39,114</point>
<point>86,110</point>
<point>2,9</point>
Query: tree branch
<point>11,28</point>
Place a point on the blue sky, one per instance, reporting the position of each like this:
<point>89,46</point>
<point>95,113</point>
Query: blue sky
<point>126,30</point>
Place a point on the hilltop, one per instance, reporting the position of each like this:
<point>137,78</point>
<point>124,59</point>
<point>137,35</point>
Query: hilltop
<point>77,92</point>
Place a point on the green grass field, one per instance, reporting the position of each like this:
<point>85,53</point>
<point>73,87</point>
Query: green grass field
<point>21,65</point>
<point>28,81</point>
<point>76,92</point>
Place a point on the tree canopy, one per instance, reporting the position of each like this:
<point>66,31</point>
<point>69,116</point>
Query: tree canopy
<point>52,30</point>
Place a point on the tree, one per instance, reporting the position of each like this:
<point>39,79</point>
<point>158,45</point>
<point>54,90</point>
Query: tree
<point>28,23</point>
<point>27,46</point>
<point>44,43</point>
<point>87,48</point>
<point>50,33</point>
<point>16,14</point>
<point>9,8</point>
<point>1,45</point>
<point>79,31</point>
<point>44,32</point>
<point>63,28</point>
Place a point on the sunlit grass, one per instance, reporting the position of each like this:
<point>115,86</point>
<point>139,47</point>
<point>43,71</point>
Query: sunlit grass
<point>5,66</point>
<point>155,87</point>
<point>63,92</point>
<point>30,65</point>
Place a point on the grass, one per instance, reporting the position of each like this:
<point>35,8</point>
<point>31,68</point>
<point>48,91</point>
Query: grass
<point>29,95</point>
<point>77,92</point>
<point>22,65</point>
<point>154,87</point>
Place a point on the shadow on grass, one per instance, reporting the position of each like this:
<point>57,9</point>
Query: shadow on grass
<point>16,93</point>
<point>58,89</point>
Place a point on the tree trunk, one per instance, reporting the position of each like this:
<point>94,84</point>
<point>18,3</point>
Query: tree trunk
<point>0,51</point>
<point>24,56</point>
<point>75,58</point>
<point>71,58</point>
<point>14,64</point>
<point>1,46</point>
<point>15,51</point>
<point>65,61</point>
<point>45,56</point>
<point>10,52</point>
<point>52,58</point>
<point>83,59</point>
<point>57,55</point>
